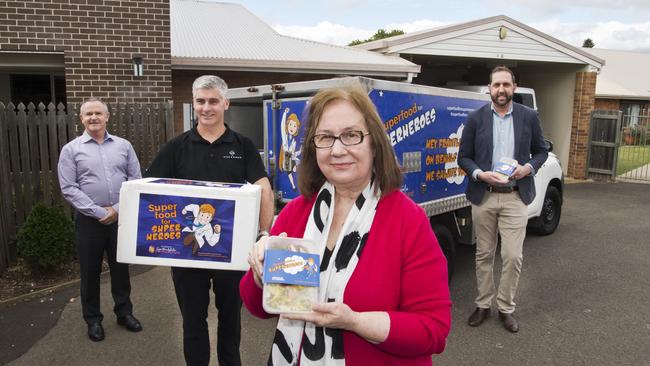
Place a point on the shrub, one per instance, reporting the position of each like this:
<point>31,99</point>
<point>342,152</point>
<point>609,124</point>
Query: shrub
<point>46,239</point>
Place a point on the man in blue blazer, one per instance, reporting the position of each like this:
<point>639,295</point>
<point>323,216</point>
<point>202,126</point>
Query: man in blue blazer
<point>500,130</point>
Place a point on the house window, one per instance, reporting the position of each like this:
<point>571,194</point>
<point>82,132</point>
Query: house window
<point>631,112</point>
<point>37,88</point>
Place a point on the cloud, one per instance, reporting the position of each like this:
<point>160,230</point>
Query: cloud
<point>610,35</point>
<point>326,32</point>
<point>339,34</point>
<point>551,7</point>
<point>416,25</point>
<point>347,4</point>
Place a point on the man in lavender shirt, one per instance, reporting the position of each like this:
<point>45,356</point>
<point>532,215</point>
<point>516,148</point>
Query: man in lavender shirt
<point>91,170</point>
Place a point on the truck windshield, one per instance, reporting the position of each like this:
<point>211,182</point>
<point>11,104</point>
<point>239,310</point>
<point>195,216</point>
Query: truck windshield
<point>525,99</point>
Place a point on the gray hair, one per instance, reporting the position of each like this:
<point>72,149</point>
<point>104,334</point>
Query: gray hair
<point>90,100</point>
<point>210,82</point>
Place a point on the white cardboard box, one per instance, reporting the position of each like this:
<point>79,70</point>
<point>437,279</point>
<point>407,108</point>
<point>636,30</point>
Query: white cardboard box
<point>186,223</point>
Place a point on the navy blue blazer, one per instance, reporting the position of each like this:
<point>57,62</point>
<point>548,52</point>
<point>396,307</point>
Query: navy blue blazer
<point>476,148</point>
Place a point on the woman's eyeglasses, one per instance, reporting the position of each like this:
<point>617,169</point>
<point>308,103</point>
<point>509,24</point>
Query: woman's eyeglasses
<point>347,138</point>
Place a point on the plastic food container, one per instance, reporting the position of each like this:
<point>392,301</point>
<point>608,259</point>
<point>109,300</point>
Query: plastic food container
<point>505,168</point>
<point>291,275</point>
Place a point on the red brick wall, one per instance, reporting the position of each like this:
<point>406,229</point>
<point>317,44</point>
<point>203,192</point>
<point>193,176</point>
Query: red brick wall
<point>583,104</point>
<point>98,40</point>
<point>615,104</point>
<point>611,104</point>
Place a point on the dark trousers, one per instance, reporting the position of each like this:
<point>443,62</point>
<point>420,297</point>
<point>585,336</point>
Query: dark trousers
<point>192,288</point>
<point>93,239</point>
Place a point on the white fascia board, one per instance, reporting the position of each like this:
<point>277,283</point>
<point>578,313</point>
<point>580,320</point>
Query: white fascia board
<point>294,66</point>
<point>375,46</point>
<point>623,96</point>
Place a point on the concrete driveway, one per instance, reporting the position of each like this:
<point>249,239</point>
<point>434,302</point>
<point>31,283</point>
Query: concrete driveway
<point>584,291</point>
<point>583,300</point>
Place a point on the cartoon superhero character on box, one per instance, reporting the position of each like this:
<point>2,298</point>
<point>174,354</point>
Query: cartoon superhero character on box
<point>201,230</point>
<point>290,126</point>
<point>311,267</point>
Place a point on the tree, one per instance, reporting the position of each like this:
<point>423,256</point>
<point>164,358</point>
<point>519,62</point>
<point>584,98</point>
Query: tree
<point>588,43</point>
<point>380,34</point>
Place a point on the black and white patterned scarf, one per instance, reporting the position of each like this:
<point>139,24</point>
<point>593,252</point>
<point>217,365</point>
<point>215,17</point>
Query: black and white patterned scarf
<point>324,346</point>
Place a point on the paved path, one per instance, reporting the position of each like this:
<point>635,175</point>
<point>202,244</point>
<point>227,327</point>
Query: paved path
<point>158,344</point>
<point>583,300</point>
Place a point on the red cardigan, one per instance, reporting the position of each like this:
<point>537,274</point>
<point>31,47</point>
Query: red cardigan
<point>402,271</point>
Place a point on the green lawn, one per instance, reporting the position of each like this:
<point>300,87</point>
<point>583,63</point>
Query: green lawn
<point>632,157</point>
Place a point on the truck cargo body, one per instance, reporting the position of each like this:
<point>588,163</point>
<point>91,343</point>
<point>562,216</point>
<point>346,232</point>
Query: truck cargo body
<point>424,125</point>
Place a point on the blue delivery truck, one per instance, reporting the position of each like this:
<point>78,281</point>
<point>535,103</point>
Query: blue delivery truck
<point>424,125</point>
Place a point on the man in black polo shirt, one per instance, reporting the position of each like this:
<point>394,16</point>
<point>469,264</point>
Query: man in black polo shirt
<point>212,152</point>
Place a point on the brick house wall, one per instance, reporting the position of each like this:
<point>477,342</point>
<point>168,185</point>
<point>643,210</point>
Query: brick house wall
<point>98,40</point>
<point>611,104</point>
<point>583,103</point>
<point>615,104</point>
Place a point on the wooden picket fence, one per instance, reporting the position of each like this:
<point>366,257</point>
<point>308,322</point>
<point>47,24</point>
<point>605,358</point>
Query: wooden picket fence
<point>31,138</point>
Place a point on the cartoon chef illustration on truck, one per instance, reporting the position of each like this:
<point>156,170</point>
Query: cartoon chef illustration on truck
<point>290,150</point>
<point>201,231</point>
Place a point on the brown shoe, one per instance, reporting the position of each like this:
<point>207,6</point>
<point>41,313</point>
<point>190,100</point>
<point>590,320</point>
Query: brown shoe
<point>478,316</point>
<point>509,322</point>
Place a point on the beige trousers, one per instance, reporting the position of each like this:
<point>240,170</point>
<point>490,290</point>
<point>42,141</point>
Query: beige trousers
<point>504,214</point>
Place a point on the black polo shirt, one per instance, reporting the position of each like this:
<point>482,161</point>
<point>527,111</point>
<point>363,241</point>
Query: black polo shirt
<point>231,158</point>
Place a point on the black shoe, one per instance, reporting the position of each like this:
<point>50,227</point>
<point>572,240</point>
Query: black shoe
<point>509,322</point>
<point>478,316</point>
<point>130,323</point>
<point>96,332</point>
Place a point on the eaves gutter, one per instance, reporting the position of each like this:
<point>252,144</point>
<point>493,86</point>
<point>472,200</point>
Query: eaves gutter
<point>398,71</point>
<point>622,96</point>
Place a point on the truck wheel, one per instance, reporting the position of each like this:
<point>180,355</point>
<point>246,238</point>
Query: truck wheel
<point>549,219</point>
<point>447,244</point>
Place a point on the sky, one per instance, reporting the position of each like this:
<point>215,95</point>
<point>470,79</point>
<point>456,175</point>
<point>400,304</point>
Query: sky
<point>611,24</point>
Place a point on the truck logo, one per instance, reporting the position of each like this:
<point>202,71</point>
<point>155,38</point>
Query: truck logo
<point>413,126</point>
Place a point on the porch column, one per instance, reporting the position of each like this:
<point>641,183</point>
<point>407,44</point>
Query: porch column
<point>583,104</point>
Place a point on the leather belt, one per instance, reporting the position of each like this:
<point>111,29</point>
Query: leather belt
<point>506,189</point>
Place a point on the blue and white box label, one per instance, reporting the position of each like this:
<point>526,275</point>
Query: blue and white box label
<point>291,268</point>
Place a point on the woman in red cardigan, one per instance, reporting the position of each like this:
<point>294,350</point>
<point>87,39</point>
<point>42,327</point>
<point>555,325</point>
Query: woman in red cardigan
<point>383,295</point>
